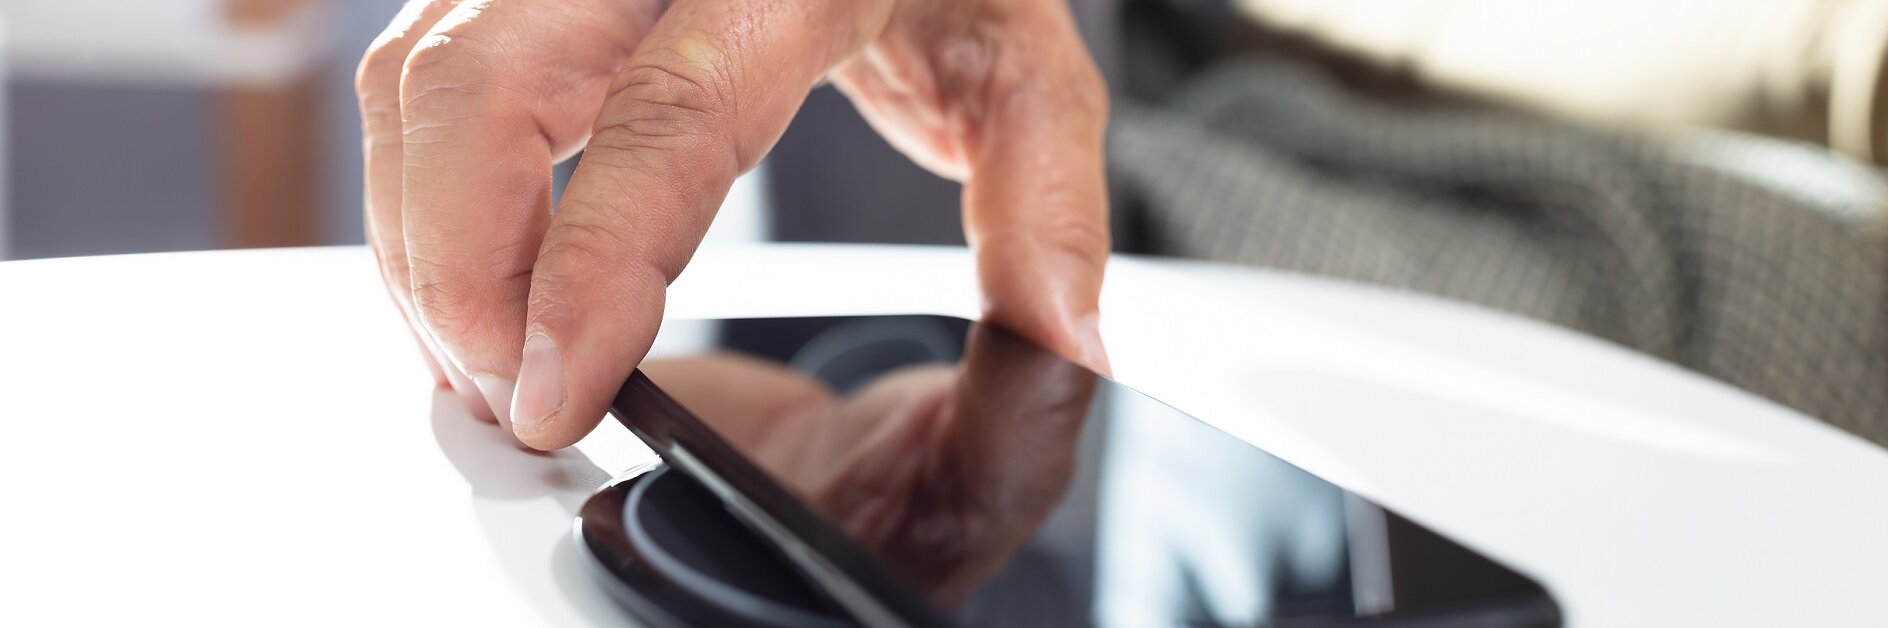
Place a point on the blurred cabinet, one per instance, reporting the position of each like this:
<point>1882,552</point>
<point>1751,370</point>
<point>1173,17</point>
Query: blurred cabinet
<point>151,126</point>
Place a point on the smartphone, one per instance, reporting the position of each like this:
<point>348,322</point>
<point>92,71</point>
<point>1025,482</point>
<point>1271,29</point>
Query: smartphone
<point>925,471</point>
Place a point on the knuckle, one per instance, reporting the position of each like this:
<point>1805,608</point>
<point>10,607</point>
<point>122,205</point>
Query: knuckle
<point>1063,240</point>
<point>445,306</point>
<point>431,54</point>
<point>666,100</point>
<point>668,116</point>
<point>466,284</point>
<point>451,67</point>
<point>585,239</point>
<point>550,303</point>
<point>447,299</point>
<point>1060,236</point>
<point>566,256</point>
<point>549,306</point>
<point>378,65</point>
<point>434,62</point>
<point>377,77</point>
<point>1086,241</point>
<point>580,257</point>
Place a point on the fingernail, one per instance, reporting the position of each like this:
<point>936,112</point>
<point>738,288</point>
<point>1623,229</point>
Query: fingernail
<point>468,393</point>
<point>540,391</point>
<point>497,391</point>
<point>432,364</point>
<point>1093,353</point>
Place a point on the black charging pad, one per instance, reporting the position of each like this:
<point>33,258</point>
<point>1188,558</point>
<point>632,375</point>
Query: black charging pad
<point>677,557</point>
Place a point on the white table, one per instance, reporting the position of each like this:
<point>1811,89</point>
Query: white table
<point>244,438</point>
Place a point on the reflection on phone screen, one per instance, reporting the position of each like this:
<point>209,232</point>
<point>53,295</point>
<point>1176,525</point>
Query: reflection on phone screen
<point>1003,485</point>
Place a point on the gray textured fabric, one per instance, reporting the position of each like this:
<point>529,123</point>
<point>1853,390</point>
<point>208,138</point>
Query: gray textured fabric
<point>1752,261</point>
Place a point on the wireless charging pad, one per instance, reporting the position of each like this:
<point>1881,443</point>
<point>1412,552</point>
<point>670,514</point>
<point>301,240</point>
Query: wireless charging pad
<point>677,557</point>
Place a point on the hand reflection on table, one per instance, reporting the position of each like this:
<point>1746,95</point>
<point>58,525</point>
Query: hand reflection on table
<point>943,471</point>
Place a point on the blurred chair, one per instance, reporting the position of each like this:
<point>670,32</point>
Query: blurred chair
<point>1810,70</point>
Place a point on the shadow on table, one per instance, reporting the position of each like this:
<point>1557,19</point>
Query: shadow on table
<point>526,502</point>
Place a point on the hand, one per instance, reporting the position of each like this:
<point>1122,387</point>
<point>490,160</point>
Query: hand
<point>942,472</point>
<point>540,316</point>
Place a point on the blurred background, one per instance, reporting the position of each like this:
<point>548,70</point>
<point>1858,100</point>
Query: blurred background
<point>181,124</point>
<point>201,124</point>
<point>1698,180</point>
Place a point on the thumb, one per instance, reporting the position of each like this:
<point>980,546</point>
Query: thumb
<point>698,103</point>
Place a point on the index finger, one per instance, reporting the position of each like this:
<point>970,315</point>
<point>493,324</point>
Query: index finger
<point>1036,200</point>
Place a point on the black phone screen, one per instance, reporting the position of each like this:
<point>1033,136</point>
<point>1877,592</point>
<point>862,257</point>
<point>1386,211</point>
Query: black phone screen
<point>924,470</point>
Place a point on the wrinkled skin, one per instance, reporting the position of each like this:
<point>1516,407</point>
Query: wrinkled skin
<point>535,318</point>
<point>942,472</point>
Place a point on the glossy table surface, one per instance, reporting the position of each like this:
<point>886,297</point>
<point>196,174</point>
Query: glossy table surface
<point>240,438</point>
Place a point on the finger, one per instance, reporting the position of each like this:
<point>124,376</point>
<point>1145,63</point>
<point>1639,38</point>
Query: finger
<point>1035,204</point>
<point>706,94</point>
<point>377,83</point>
<point>490,97</point>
